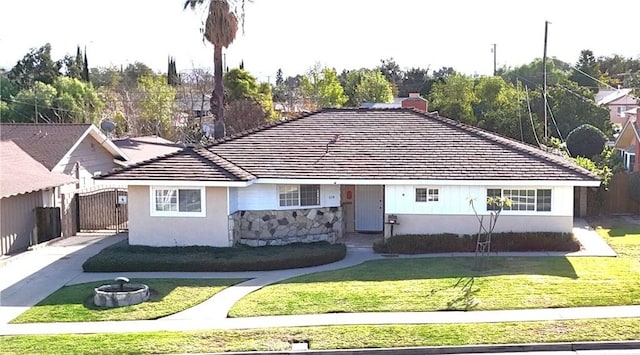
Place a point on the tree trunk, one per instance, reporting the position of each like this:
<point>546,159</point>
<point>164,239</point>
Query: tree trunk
<point>217,97</point>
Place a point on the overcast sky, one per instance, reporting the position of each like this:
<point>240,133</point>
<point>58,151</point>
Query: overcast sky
<point>345,34</point>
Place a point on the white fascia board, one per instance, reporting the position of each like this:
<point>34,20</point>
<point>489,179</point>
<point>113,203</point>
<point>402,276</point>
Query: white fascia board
<point>594,183</point>
<point>179,183</point>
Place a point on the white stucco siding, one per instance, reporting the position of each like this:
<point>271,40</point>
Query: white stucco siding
<point>453,214</point>
<point>233,199</point>
<point>258,197</point>
<point>210,230</point>
<point>454,200</point>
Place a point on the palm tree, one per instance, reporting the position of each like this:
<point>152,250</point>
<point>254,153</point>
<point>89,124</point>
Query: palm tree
<point>220,30</point>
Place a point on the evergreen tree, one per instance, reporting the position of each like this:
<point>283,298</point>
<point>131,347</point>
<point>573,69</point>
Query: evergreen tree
<point>85,67</point>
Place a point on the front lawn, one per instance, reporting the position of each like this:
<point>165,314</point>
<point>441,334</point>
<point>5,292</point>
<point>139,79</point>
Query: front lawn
<point>75,303</point>
<point>124,257</point>
<point>319,338</point>
<point>431,284</point>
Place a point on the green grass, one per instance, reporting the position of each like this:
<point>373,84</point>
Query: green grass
<point>75,303</point>
<point>430,284</point>
<point>124,257</point>
<point>624,240</point>
<point>333,337</point>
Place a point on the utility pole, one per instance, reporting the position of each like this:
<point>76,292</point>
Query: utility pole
<point>35,100</point>
<point>495,71</point>
<point>544,82</point>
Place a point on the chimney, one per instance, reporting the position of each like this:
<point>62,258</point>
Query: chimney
<point>415,101</point>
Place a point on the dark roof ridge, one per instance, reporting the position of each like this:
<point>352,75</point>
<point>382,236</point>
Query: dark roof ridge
<point>261,128</point>
<point>509,142</point>
<point>225,164</point>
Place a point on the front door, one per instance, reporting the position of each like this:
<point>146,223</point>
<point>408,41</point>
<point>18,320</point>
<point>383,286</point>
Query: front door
<point>369,208</point>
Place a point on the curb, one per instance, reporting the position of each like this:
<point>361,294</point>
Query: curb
<point>470,349</point>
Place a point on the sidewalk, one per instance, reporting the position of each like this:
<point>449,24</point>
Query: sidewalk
<point>60,264</point>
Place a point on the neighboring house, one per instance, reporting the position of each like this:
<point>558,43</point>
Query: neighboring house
<point>628,144</point>
<point>413,101</point>
<point>24,185</point>
<point>139,149</point>
<point>77,150</point>
<point>344,170</point>
<point>618,101</point>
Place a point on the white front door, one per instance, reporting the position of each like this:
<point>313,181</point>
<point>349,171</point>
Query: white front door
<point>369,208</point>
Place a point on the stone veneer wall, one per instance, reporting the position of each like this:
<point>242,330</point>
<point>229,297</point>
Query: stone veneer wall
<point>279,227</point>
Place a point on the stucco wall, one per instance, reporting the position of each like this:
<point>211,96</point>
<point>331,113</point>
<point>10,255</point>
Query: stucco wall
<point>468,224</point>
<point>211,230</point>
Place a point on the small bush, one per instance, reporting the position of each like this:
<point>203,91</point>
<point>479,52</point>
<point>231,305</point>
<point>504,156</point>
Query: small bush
<point>586,141</point>
<point>450,243</point>
<point>124,257</point>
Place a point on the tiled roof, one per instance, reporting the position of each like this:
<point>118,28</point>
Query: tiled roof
<point>391,144</point>
<point>189,164</point>
<point>46,143</point>
<point>20,173</point>
<point>144,148</point>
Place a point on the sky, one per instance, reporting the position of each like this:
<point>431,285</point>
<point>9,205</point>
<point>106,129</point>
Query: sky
<point>344,34</point>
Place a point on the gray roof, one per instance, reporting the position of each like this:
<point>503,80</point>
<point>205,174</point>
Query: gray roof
<point>383,144</point>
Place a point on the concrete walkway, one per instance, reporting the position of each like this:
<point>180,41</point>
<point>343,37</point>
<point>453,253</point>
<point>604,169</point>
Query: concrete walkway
<point>31,277</point>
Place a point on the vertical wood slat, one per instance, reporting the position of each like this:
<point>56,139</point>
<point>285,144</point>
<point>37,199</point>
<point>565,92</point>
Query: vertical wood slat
<point>615,200</point>
<point>99,209</point>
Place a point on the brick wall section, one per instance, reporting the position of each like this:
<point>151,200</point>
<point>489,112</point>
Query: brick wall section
<point>279,227</point>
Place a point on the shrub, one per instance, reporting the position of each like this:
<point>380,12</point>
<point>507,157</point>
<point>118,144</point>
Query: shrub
<point>586,141</point>
<point>449,243</point>
<point>125,257</point>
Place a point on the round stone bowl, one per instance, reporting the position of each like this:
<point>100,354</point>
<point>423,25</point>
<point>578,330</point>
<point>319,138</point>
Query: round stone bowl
<point>120,296</point>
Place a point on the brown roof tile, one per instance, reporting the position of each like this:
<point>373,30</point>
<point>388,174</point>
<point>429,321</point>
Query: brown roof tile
<point>189,164</point>
<point>139,149</point>
<point>385,144</point>
<point>46,143</point>
<point>20,173</point>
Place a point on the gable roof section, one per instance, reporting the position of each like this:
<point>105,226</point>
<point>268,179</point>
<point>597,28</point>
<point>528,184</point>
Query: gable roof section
<point>390,144</point>
<point>20,173</point>
<point>362,144</point>
<point>629,131</point>
<point>612,96</point>
<point>49,143</point>
<point>144,148</point>
<point>189,164</point>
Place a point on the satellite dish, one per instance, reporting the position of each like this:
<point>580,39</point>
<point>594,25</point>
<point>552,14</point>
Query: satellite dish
<point>107,126</point>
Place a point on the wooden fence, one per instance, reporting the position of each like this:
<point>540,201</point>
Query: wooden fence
<point>615,199</point>
<point>103,209</point>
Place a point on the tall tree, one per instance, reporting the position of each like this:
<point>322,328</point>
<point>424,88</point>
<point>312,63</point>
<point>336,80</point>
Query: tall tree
<point>157,105</point>
<point>73,64</point>
<point>172,73</point>
<point>36,65</point>
<point>391,70</point>
<point>320,88</point>
<point>586,71</point>
<point>365,85</point>
<point>220,30</point>
<point>85,68</point>
<point>455,98</point>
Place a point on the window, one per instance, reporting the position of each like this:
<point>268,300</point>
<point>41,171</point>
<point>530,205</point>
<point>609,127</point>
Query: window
<point>521,199</point>
<point>426,195</point>
<point>493,194</point>
<point>543,200</point>
<point>620,110</point>
<point>299,195</point>
<point>173,201</point>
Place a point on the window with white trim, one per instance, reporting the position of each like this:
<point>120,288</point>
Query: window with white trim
<point>521,199</point>
<point>298,195</point>
<point>426,195</point>
<point>178,201</point>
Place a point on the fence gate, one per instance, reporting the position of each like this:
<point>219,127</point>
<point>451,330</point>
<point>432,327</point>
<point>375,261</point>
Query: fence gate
<point>103,209</point>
